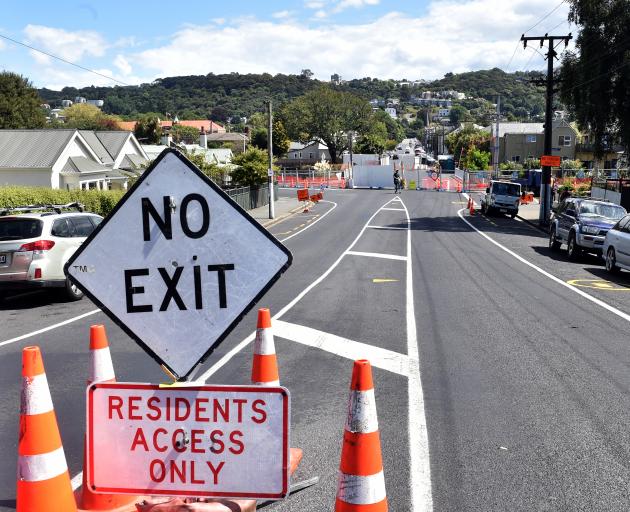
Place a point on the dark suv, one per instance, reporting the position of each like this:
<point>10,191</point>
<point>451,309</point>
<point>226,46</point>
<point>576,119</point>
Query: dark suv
<point>582,224</point>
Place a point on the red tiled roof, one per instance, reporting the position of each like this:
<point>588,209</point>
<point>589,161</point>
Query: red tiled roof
<point>208,126</point>
<point>127,125</point>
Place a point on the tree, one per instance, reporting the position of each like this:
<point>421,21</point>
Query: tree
<point>370,144</point>
<point>20,105</point>
<point>210,169</point>
<point>459,143</point>
<point>89,117</point>
<point>476,160</point>
<point>188,134</point>
<point>306,73</point>
<point>395,130</point>
<point>219,114</point>
<point>595,77</point>
<point>459,114</point>
<point>148,130</point>
<point>251,167</point>
<point>279,139</point>
<point>327,115</point>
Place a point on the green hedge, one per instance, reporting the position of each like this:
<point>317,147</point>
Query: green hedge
<point>96,201</point>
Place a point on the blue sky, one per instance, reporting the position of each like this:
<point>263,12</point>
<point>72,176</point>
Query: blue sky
<point>137,41</point>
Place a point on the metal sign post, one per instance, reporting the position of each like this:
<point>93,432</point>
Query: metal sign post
<point>202,441</point>
<point>177,263</point>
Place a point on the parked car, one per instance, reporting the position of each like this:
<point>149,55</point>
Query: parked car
<point>502,197</point>
<point>582,224</point>
<point>36,243</point>
<point>616,250</point>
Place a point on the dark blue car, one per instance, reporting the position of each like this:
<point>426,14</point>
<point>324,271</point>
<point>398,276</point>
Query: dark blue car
<point>582,225</point>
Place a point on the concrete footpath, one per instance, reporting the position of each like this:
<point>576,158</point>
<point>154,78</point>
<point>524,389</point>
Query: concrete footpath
<point>529,213</point>
<point>283,208</point>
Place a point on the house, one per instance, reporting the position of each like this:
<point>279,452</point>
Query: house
<point>585,152</point>
<point>68,159</point>
<point>521,141</point>
<point>391,111</point>
<point>207,125</point>
<point>219,156</point>
<point>311,153</point>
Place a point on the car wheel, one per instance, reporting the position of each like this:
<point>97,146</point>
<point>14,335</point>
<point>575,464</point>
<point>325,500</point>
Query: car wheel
<point>512,215</point>
<point>554,245</point>
<point>572,247</point>
<point>71,291</point>
<point>611,261</point>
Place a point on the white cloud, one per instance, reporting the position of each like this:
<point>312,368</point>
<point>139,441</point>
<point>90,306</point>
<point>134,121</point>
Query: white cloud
<point>345,4</point>
<point>321,14</point>
<point>72,46</point>
<point>281,14</point>
<point>481,34</point>
<point>123,65</point>
<point>314,4</point>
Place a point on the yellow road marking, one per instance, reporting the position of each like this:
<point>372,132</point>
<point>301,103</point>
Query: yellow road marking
<point>383,280</point>
<point>598,284</point>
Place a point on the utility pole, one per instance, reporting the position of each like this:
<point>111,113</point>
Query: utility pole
<point>545,185</point>
<point>497,139</point>
<point>270,152</point>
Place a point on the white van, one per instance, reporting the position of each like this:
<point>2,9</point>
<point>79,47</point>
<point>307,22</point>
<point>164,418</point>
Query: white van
<point>502,197</point>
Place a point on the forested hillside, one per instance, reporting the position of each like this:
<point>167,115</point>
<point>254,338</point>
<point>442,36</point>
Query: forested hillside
<point>222,96</point>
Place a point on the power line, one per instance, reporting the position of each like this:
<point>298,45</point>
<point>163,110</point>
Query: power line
<point>546,16</point>
<point>62,59</point>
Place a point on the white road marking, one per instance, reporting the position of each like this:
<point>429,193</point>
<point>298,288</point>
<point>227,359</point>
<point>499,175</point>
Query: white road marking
<point>386,227</point>
<point>350,349</point>
<point>49,328</point>
<point>420,470</point>
<point>312,224</point>
<point>394,209</point>
<point>377,255</point>
<point>587,296</point>
<point>77,480</point>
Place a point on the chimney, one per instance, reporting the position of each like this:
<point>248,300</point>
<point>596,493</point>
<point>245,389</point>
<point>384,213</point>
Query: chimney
<point>166,140</point>
<point>203,138</point>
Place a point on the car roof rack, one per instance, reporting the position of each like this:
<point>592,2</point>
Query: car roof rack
<point>56,208</point>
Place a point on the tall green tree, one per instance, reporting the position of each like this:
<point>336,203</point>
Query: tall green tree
<point>187,134</point>
<point>327,115</point>
<point>279,138</point>
<point>20,105</point>
<point>148,130</point>
<point>88,117</point>
<point>460,143</point>
<point>596,75</point>
<point>251,167</point>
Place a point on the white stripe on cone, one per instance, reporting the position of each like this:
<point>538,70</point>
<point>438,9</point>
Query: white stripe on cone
<point>269,383</point>
<point>362,412</point>
<point>361,490</point>
<point>35,397</point>
<point>264,346</point>
<point>35,468</point>
<point>101,367</point>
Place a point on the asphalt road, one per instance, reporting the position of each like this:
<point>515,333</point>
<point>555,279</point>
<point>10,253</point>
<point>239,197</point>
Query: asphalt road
<point>525,382</point>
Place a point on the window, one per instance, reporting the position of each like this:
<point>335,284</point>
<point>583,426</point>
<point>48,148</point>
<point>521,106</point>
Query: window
<point>622,224</point>
<point>61,229</point>
<point>95,220</point>
<point>310,156</point>
<point>564,140</point>
<point>516,158</point>
<point>82,225</point>
<point>16,229</point>
<point>531,138</point>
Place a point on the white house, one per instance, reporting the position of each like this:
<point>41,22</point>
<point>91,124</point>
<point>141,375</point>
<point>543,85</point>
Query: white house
<point>312,152</point>
<point>68,159</point>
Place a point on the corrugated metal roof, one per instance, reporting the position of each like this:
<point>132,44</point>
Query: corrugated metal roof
<point>29,149</point>
<point>522,128</point>
<point>97,146</point>
<point>132,161</point>
<point>113,141</point>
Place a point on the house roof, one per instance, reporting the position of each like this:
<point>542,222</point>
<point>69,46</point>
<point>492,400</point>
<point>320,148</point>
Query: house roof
<point>227,137</point>
<point>32,148</point>
<point>82,165</point>
<point>296,146</point>
<point>92,139</point>
<point>516,128</point>
<point>206,124</point>
<point>113,140</point>
<point>132,161</point>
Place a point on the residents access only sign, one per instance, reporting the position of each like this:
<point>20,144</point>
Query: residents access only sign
<point>177,263</point>
<point>204,441</point>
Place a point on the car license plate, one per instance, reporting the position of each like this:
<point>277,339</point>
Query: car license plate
<point>3,259</point>
<point>503,210</point>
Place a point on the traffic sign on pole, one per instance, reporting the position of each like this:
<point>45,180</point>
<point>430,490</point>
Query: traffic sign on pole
<point>177,263</point>
<point>549,160</point>
<point>203,441</point>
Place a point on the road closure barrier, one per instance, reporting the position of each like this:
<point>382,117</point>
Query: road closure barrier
<point>265,364</point>
<point>361,485</point>
<point>43,482</point>
<point>101,370</point>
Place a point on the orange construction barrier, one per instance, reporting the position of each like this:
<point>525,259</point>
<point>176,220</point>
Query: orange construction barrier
<point>315,198</point>
<point>43,482</point>
<point>101,370</point>
<point>265,365</point>
<point>361,486</point>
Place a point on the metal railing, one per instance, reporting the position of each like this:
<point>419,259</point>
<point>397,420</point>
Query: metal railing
<point>249,198</point>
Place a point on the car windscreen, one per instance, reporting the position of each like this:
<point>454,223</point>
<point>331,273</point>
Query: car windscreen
<point>12,228</point>
<point>610,211</point>
<point>506,189</point>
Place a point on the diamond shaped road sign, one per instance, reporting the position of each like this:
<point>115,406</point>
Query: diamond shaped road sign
<point>177,263</point>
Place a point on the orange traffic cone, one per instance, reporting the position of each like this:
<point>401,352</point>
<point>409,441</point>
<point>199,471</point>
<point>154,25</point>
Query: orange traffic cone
<point>265,366</point>
<point>101,370</point>
<point>361,486</point>
<point>472,207</point>
<point>43,482</point>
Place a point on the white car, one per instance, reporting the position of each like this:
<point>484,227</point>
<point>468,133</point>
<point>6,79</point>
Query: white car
<point>36,243</point>
<point>502,197</point>
<point>616,249</point>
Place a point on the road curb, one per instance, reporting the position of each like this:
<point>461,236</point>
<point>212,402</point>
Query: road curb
<point>272,222</point>
<point>532,224</point>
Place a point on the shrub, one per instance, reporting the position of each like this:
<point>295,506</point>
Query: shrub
<point>101,202</point>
